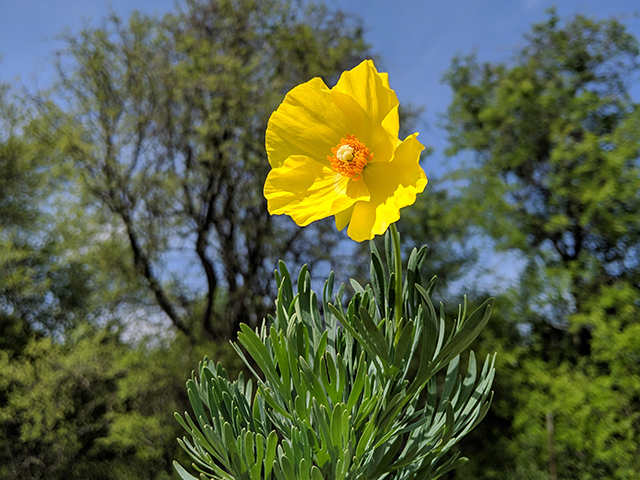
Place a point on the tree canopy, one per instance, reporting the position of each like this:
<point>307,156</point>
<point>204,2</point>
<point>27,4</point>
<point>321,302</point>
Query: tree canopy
<point>165,120</point>
<point>556,177</point>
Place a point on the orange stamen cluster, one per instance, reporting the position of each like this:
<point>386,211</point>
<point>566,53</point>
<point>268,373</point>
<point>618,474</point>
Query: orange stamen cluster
<point>350,162</point>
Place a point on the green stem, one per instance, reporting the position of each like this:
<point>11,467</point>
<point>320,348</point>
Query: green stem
<point>398,273</point>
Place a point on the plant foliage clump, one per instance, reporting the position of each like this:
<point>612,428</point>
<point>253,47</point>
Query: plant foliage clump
<point>347,393</point>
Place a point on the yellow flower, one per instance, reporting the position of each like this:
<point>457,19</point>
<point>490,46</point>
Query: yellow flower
<point>337,152</point>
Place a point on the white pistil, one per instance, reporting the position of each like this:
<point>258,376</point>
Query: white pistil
<point>345,153</point>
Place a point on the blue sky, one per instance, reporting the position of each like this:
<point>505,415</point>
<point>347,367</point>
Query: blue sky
<point>415,40</point>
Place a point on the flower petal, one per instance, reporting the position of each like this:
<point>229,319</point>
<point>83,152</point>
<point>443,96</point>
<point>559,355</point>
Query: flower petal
<point>368,131</point>
<point>307,190</point>
<point>342,218</point>
<point>393,186</point>
<point>307,122</point>
<point>391,124</point>
<point>369,89</point>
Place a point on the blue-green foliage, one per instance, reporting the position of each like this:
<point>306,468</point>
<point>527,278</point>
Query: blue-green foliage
<point>347,393</point>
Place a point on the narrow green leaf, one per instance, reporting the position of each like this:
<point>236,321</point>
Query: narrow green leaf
<point>249,453</point>
<point>313,383</point>
<point>385,461</point>
<point>378,342</point>
<point>256,468</point>
<point>184,475</point>
<point>237,464</point>
<point>336,425</point>
<point>258,351</point>
<point>406,338</point>
<point>321,415</point>
<point>316,474</point>
<point>286,283</point>
<point>356,286</point>
<point>378,280</point>
<point>303,469</point>
<point>388,250</point>
<point>287,468</point>
<point>358,383</point>
<point>269,458</point>
<point>469,379</point>
<point>450,378</point>
<point>366,438</point>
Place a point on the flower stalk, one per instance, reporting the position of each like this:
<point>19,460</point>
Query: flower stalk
<point>395,237</point>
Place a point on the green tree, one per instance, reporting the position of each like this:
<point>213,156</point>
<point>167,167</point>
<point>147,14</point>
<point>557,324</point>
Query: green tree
<point>165,120</point>
<point>94,407</point>
<point>59,392</point>
<point>556,177</point>
<point>55,409</point>
<point>44,285</point>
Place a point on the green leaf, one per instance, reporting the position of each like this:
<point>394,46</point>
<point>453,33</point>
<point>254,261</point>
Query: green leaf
<point>303,469</point>
<point>269,459</point>
<point>469,379</point>
<point>256,467</point>
<point>258,351</point>
<point>356,286</point>
<point>287,468</point>
<point>316,474</point>
<point>287,286</point>
<point>378,280</point>
<point>366,438</point>
<point>336,426</point>
<point>406,338</point>
<point>388,250</point>
<point>358,383</point>
<point>313,383</point>
<point>184,475</point>
<point>377,340</point>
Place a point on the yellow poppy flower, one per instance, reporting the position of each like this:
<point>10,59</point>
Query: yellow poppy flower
<point>337,152</point>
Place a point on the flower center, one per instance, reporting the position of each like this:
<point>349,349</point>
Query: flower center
<point>350,157</point>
